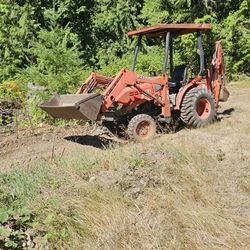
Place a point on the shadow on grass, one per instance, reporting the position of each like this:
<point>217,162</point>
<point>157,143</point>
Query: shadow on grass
<point>92,140</point>
<point>225,113</point>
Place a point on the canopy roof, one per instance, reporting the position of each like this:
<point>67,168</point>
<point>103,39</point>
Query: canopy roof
<point>176,29</point>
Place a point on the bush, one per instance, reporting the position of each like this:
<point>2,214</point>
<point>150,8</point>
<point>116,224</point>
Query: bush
<point>56,61</point>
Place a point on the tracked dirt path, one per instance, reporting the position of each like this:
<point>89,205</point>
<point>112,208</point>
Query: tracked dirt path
<point>48,141</point>
<point>24,148</point>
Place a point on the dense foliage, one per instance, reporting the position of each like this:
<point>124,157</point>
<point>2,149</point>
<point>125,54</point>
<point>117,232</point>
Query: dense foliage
<point>57,43</point>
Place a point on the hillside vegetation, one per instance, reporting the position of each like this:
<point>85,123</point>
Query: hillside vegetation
<point>186,190</point>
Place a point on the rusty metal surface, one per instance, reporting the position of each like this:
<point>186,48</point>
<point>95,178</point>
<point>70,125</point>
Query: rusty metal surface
<point>162,29</point>
<point>77,106</point>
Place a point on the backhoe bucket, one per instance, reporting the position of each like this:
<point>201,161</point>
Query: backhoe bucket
<point>224,94</point>
<point>77,106</point>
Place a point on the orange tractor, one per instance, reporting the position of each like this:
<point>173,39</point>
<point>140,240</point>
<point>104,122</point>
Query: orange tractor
<point>139,105</point>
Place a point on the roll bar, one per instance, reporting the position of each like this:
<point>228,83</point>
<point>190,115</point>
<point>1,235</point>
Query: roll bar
<point>137,48</point>
<point>169,50</point>
<point>165,62</point>
<point>200,47</point>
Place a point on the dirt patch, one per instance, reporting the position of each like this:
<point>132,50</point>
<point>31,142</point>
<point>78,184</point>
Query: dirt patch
<point>49,142</point>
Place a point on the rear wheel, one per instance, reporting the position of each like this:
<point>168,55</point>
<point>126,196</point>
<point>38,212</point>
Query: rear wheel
<point>198,107</point>
<point>141,127</point>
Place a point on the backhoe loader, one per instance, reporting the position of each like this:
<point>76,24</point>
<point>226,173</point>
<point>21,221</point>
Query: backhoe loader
<point>140,104</point>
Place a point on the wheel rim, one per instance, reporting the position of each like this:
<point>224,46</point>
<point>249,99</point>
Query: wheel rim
<point>203,108</point>
<point>144,130</point>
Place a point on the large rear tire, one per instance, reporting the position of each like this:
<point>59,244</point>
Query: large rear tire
<point>141,127</point>
<point>198,108</point>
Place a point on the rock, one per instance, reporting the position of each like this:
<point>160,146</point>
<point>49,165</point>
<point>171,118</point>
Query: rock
<point>92,179</point>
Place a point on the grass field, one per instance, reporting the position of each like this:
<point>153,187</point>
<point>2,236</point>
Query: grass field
<point>185,190</point>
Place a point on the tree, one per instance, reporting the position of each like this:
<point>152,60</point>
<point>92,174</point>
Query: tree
<point>96,32</point>
<point>236,37</point>
<point>111,21</point>
<point>56,62</point>
<point>17,29</point>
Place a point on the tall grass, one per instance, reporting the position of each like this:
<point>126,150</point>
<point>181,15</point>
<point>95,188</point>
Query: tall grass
<point>188,190</point>
<point>162,194</point>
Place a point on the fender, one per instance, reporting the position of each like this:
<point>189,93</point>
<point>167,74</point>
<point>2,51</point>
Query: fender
<point>194,83</point>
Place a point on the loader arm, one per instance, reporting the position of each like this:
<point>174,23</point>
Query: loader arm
<point>94,81</point>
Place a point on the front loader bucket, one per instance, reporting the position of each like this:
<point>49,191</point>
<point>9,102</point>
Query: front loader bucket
<point>77,106</point>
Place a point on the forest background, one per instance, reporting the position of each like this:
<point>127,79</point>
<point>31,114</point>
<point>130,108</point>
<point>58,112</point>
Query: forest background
<point>56,44</point>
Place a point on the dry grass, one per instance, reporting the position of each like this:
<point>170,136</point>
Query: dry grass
<point>241,84</point>
<point>189,190</point>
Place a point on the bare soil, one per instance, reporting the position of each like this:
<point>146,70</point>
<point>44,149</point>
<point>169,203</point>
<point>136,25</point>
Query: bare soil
<point>23,148</point>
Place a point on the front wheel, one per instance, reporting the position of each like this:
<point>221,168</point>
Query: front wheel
<point>198,108</point>
<point>141,127</point>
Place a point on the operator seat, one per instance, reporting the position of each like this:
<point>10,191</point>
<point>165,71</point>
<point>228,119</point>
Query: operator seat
<point>179,76</point>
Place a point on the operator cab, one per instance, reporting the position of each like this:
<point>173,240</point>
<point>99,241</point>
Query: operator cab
<point>179,74</point>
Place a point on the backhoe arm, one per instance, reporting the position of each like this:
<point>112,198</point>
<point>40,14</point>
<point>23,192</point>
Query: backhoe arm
<point>217,75</point>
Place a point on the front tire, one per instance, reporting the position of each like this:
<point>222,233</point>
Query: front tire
<point>198,108</point>
<point>141,127</point>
